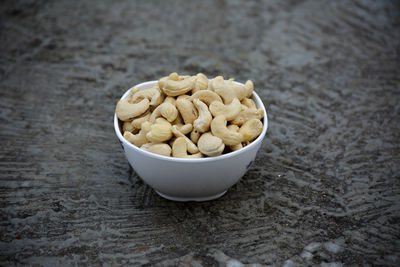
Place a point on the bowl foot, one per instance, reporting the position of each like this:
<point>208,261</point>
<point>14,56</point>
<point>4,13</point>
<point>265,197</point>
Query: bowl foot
<point>198,199</point>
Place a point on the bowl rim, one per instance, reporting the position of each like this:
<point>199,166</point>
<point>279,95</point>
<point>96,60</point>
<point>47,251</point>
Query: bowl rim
<point>191,160</point>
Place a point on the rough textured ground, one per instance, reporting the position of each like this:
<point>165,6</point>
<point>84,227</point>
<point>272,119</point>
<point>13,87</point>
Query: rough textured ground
<point>325,187</point>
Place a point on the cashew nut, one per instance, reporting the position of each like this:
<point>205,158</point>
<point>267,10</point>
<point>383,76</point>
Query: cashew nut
<point>157,99</point>
<point>202,123</point>
<point>206,96</point>
<point>126,110</point>
<point>153,94</point>
<point>158,148</point>
<point>184,128</point>
<point>179,149</point>
<point>223,89</point>
<point>170,99</point>
<point>182,77</point>
<point>191,147</point>
<point>133,90</point>
<point>137,122</point>
<point>140,138</point>
<point>210,145</point>
<point>194,136</point>
<point>173,76</point>
<point>187,110</point>
<point>230,111</point>
<point>251,129</point>
<point>184,96</point>
<point>201,83</point>
<point>160,131</point>
<point>127,127</point>
<point>167,110</point>
<point>249,103</point>
<point>235,128</point>
<point>228,90</point>
<point>248,114</point>
<point>239,89</point>
<point>249,86</point>
<point>175,88</point>
<point>219,129</point>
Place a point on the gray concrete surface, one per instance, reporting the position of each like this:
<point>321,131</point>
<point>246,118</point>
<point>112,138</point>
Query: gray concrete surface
<point>324,190</point>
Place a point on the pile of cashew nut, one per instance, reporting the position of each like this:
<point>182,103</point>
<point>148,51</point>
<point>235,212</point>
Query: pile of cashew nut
<point>191,116</point>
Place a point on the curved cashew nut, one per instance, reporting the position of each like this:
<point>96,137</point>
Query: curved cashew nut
<point>137,122</point>
<point>223,89</point>
<point>158,148</point>
<point>251,129</point>
<point>191,147</point>
<point>153,94</point>
<point>126,110</point>
<point>184,128</point>
<point>228,90</point>
<point>210,145</point>
<point>133,91</point>
<point>187,110</point>
<point>249,86</point>
<point>230,111</point>
<point>201,83</point>
<point>179,149</point>
<point>234,128</point>
<point>160,131</point>
<point>240,90</point>
<point>206,96</point>
<point>248,114</point>
<point>173,76</point>
<point>167,110</point>
<point>202,123</point>
<point>140,138</point>
<point>219,129</point>
<point>174,88</point>
<point>157,99</point>
<point>249,103</point>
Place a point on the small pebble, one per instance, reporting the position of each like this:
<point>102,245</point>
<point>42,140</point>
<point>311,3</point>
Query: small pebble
<point>332,247</point>
<point>306,255</point>
<point>312,246</point>
<point>289,263</point>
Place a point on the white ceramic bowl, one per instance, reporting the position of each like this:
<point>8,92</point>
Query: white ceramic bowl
<point>183,179</point>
